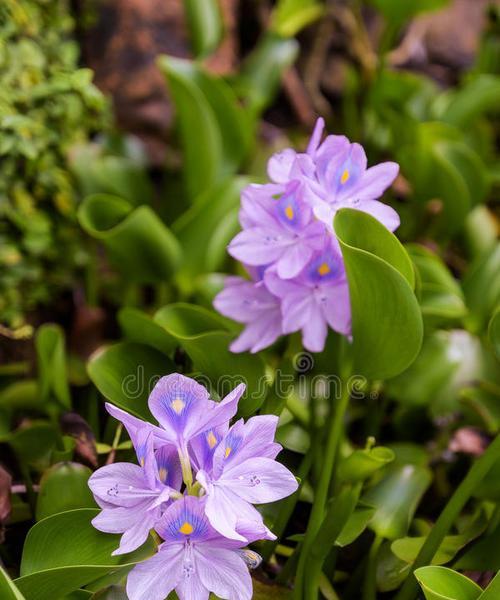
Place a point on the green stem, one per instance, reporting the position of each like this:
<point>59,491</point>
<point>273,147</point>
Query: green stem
<point>370,584</point>
<point>321,495</point>
<point>449,515</point>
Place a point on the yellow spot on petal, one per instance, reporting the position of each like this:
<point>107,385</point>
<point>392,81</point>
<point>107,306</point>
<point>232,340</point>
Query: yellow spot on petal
<point>228,451</point>
<point>345,177</point>
<point>162,473</point>
<point>141,461</point>
<point>186,529</point>
<point>211,439</point>
<point>178,404</point>
<point>323,269</point>
<point>289,212</point>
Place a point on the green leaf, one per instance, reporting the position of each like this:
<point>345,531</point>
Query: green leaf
<point>440,583</point>
<point>396,498</point>
<point>205,25</point>
<point>492,592</point>
<point>52,369</point>
<point>407,548</point>
<point>362,464</point>
<point>139,327</point>
<point>22,394</point>
<point>8,589</point>
<point>33,442</point>
<point>138,242</point>
<point>227,126</point>
<point>205,230</point>
<point>64,486</point>
<point>494,332</point>
<point>477,96</point>
<point>441,295</point>
<point>290,16</point>
<point>64,552</point>
<point>481,286</point>
<point>386,319</point>
<point>355,524</point>
<point>483,555</point>
<point>261,72</point>
<point>205,338</point>
<point>125,374</point>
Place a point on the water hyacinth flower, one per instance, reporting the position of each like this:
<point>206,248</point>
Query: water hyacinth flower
<point>193,560</point>
<point>133,497</point>
<point>287,233</point>
<point>196,484</point>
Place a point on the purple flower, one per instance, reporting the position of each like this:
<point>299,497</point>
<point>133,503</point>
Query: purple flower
<point>184,410</point>
<point>250,303</point>
<point>194,560</point>
<point>318,298</point>
<point>244,473</point>
<point>133,497</point>
<point>286,234</point>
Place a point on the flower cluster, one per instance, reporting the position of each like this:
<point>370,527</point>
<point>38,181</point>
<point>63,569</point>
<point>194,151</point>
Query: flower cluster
<point>288,245</point>
<point>195,485</point>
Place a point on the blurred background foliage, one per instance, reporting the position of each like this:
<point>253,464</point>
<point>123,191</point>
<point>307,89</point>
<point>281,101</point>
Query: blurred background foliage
<point>117,201</point>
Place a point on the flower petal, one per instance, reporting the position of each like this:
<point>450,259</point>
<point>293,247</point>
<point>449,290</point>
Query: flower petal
<point>259,480</point>
<point>375,181</point>
<point>280,165</point>
<point>382,212</point>
<point>259,245</point>
<point>294,259</point>
<point>156,577</point>
<point>223,572</point>
<point>314,331</point>
<point>120,484</point>
<point>133,425</point>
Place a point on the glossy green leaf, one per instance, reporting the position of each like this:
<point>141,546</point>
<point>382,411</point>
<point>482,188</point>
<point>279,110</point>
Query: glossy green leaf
<point>33,442</point>
<point>205,230</point>
<point>52,369</point>
<point>205,25</point>
<point>441,295</point>
<point>202,97</point>
<point>396,498</point>
<point>386,319</point>
<point>290,16</point>
<point>494,332</point>
<point>22,394</point>
<point>198,127</point>
<point>64,486</point>
<point>481,286</point>
<point>407,548</point>
<point>492,592</point>
<point>125,374</point>
<point>139,327</point>
<point>355,524</point>
<point>138,243</point>
<point>440,583</point>
<point>262,70</point>
<point>8,589</point>
<point>64,552</point>
<point>362,464</point>
<point>391,571</point>
<point>205,338</point>
<point>482,555</point>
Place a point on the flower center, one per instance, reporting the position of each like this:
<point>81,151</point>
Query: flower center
<point>178,404</point>
<point>345,177</point>
<point>323,269</point>
<point>186,528</point>
<point>289,213</point>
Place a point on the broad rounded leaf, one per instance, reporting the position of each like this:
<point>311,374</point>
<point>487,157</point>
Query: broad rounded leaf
<point>64,552</point>
<point>362,464</point>
<point>139,327</point>
<point>440,583</point>
<point>125,374</point>
<point>396,498</point>
<point>205,338</point>
<point>63,487</point>
<point>386,320</point>
<point>8,589</point>
<point>138,242</point>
